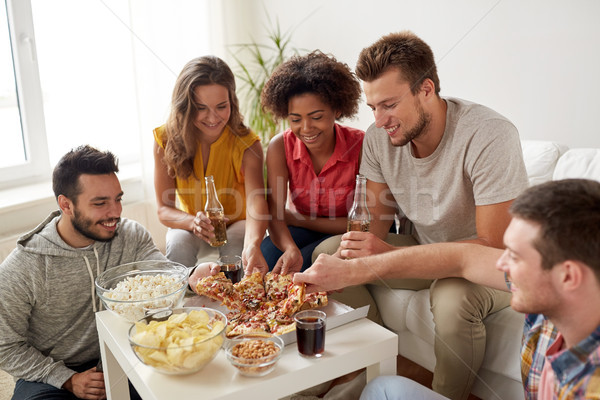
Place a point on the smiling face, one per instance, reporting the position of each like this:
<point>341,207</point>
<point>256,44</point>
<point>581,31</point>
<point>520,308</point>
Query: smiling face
<point>213,110</point>
<point>96,212</point>
<point>533,289</point>
<point>395,108</point>
<point>312,120</point>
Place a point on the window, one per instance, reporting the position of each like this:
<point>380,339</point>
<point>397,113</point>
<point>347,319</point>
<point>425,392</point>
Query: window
<point>24,157</point>
<point>13,150</point>
<point>70,83</point>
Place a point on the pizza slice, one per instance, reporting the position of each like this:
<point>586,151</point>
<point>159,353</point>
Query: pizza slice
<point>280,323</point>
<point>294,300</point>
<point>247,322</point>
<point>251,291</point>
<point>276,285</point>
<point>314,300</point>
<point>216,287</point>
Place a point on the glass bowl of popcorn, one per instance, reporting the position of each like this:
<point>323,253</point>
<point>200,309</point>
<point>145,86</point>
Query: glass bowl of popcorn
<point>179,341</point>
<point>135,289</point>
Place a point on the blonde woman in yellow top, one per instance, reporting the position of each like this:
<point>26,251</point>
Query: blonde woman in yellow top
<point>204,135</point>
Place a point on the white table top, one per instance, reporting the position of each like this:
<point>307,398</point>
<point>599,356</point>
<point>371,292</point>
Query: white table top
<point>350,347</point>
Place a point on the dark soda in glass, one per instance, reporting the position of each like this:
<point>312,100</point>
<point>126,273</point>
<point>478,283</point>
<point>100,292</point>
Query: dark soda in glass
<point>233,272</point>
<point>310,333</point>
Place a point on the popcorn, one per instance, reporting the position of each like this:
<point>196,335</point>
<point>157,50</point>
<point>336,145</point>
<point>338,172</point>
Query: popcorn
<point>135,294</point>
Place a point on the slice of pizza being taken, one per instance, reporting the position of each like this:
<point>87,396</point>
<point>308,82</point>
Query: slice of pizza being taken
<point>276,286</point>
<point>294,300</point>
<point>314,300</point>
<point>217,287</point>
<point>251,291</point>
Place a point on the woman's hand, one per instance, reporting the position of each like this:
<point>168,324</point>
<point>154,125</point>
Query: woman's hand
<point>203,270</point>
<point>253,260</point>
<point>289,262</point>
<point>203,227</point>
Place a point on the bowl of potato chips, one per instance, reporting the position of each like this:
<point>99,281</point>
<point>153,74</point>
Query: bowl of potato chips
<point>178,341</point>
<point>134,289</point>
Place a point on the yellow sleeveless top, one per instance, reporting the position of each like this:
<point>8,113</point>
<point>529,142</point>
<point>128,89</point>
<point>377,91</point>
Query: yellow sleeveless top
<point>225,165</point>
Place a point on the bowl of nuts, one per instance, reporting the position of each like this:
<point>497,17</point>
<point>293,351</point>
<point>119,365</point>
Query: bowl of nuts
<point>133,290</point>
<point>254,354</point>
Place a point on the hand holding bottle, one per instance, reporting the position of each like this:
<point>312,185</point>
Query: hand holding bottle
<point>203,227</point>
<point>214,212</point>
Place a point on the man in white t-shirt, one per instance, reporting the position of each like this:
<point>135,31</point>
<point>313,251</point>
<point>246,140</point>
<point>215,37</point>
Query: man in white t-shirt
<point>452,168</point>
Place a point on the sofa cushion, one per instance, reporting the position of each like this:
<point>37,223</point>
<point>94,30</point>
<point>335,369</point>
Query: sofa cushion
<point>540,159</point>
<point>578,163</point>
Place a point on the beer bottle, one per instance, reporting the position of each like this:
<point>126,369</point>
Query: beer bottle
<point>214,211</point>
<point>359,218</point>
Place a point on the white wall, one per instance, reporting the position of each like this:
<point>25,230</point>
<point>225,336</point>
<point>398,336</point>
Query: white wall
<point>534,61</point>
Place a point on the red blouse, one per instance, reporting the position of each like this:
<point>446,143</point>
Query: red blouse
<point>331,192</point>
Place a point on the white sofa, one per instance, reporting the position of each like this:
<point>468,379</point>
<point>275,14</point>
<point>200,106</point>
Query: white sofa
<point>408,312</point>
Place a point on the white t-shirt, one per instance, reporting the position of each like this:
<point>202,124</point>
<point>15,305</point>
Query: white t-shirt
<point>479,161</point>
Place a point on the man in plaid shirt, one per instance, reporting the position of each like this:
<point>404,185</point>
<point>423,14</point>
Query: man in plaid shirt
<point>551,265</point>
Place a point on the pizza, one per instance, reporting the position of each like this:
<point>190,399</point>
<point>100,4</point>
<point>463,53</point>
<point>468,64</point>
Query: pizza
<point>216,287</point>
<point>251,291</point>
<point>260,304</point>
<point>294,300</point>
<point>276,286</point>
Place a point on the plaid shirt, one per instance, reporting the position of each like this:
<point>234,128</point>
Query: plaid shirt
<point>576,371</point>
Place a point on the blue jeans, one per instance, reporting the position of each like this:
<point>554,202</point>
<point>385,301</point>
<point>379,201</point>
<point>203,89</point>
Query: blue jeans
<point>26,390</point>
<point>398,388</point>
<point>305,239</point>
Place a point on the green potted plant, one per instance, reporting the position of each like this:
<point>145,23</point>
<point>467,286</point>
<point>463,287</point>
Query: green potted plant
<point>255,64</point>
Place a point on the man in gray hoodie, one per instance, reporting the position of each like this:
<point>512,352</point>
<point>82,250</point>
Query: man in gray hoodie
<point>48,337</point>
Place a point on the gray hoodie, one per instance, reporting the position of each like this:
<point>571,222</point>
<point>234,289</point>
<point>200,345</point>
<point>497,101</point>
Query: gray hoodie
<point>48,301</point>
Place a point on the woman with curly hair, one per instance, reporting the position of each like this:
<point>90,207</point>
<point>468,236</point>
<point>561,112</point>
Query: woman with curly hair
<point>204,135</point>
<point>316,160</point>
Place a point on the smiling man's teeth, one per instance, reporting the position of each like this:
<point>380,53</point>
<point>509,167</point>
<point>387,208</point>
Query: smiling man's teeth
<point>110,224</point>
<point>392,129</point>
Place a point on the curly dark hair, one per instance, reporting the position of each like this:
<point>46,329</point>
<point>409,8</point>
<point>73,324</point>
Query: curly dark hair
<point>318,73</point>
<point>81,160</point>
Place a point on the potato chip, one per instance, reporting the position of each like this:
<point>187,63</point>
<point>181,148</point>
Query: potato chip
<point>180,343</point>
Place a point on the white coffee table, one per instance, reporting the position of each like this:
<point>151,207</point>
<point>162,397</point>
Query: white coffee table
<point>356,345</point>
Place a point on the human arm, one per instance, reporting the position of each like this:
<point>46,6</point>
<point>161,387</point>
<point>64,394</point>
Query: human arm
<point>168,214</point>
<point>382,208</point>
<point>491,221</point>
<point>331,225</point>
<point>202,270</point>
<point>494,189</point>
<point>87,385</point>
<point>277,183</point>
<point>256,209</point>
<point>21,357</point>
<point>164,188</point>
<point>433,261</point>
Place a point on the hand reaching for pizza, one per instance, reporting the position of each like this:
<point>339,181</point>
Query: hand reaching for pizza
<point>253,261</point>
<point>328,273</point>
<point>201,271</point>
<point>289,262</point>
